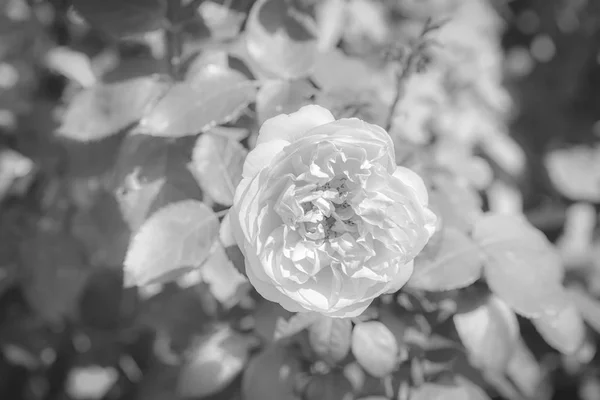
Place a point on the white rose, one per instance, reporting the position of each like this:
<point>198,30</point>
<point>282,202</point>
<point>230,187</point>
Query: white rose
<point>326,220</point>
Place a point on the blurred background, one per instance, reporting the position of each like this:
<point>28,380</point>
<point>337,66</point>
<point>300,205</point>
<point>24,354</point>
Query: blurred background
<point>77,334</point>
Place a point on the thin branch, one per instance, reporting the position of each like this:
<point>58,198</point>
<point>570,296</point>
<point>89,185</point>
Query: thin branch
<point>411,65</point>
<point>173,42</point>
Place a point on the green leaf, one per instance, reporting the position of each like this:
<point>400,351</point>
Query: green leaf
<point>330,338</point>
<point>224,281</point>
<point>453,263</point>
<point>435,391</point>
<point>521,266</point>
<point>214,362</point>
<point>375,348</point>
<point>217,164</point>
<point>152,172</point>
<point>106,109</point>
<point>564,331</point>
<point>73,64</point>
<point>489,330</point>
<point>296,324</point>
<point>272,375</point>
<point>575,172</point>
<point>266,315</point>
<point>524,370</point>
<point>90,382</point>
<point>332,386</point>
<point>123,18</point>
<point>218,96</point>
<point>280,39</point>
<point>588,306</point>
<point>175,239</point>
<point>455,203</point>
<point>282,97</point>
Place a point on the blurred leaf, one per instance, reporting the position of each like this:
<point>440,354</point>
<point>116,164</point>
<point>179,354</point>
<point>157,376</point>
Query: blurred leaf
<point>575,172</point>
<point>217,163</point>
<point>222,21</point>
<point>282,97</point>
<point>280,38</point>
<point>564,331</point>
<point>152,172</point>
<point>91,382</point>
<point>225,282</point>
<point>434,391</point>
<point>330,338</point>
<point>331,21</point>
<point>521,266</point>
<point>213,364</point>
<point>524,370</point>
<point>102,231</point>
<point>266,314</point>
<point>456,263</point>
<point>332,386</point>
<point>457,204</point>
<point>57,273</point>
<point>214,97</point>
<point>175,239</point>
<point>489,330</point>
<point>106,109</point>
<point>123,18</point>
<point>375,348</point>
<point>296,324</point>
<point>588,306</point>
<point>271,374</point>
<point>13,168</point>
<point>73,64</point>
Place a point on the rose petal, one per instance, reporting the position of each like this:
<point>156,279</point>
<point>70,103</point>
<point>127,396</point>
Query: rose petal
<point>261,156</point>
<point>414,181</point>
<point>292,126</point>
<point>404,274</point>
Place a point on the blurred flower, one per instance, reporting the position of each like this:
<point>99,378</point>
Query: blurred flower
<point>326,220</point>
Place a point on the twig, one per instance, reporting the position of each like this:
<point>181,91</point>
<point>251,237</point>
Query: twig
<point>173,42</point>
<point>411,64</point>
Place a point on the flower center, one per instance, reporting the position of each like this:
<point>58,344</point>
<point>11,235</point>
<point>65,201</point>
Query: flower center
<point>326,212</point>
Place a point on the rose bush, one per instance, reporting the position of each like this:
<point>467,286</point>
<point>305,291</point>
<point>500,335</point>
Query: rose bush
<point>326,220</point>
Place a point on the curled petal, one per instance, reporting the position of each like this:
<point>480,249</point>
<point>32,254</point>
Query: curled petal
<point>293,126</point>
<point>261,156</point>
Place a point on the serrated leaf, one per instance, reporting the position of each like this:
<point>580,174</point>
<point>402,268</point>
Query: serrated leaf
<point>108,108</point>
<point>375,348</point>
<point>189,109</point>
<point>282,97</point>
<point>564,331</point>
<point>224,281</point>
<point>271,375</point>
<point>123,18</point>
<point>330,338</point>
<point>213,363</point>
<point>489,330</point>
<point>217,163</point>
<point>575,172</point>
<point>521,266</point>
<point>279,38</point>
<point>175,239</point>
<point>152,172</point>
<point>456,262</point>
<point>296,324</point>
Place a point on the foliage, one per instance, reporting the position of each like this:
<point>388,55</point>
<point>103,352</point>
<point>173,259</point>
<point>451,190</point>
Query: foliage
<point>124,126</point>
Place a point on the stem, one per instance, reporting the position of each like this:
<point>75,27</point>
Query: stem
<point>173,42</point>
<point>410,66</point>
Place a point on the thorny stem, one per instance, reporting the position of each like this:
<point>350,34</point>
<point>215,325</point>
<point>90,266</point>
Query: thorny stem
<point>411,64</point>
<point>173,42</point>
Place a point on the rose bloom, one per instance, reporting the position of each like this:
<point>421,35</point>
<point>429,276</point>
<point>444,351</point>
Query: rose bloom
<point>326,220</point>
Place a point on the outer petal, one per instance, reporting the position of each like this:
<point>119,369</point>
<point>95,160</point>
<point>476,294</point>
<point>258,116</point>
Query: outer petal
<point>292,126</point>
<point>403,276</point>
<point>412,179</point>
<point>261,156</point>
